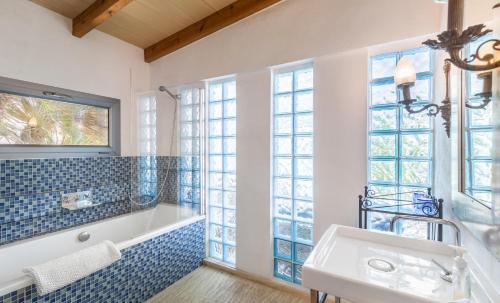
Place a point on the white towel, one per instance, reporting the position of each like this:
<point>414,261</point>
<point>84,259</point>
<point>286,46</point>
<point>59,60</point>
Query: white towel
<point>57,273</point>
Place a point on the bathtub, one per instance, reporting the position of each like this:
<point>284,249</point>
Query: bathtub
<point>128,232</point>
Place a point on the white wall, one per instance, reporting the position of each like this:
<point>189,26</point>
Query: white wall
<point>254,145</point>
<point>37,46</point>
<point>335,34</point>
<point>290,31</point>
<point>340,137</point>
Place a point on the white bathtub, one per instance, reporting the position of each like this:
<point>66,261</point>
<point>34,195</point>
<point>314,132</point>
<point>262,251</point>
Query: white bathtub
<point>125,231</point>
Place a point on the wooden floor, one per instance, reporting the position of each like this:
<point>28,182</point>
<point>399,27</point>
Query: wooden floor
<point>209,285</point>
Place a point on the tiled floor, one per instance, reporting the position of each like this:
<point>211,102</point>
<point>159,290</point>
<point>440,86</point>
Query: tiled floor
<point>208,285</point>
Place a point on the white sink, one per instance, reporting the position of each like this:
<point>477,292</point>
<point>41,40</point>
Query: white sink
<point>339,266</point>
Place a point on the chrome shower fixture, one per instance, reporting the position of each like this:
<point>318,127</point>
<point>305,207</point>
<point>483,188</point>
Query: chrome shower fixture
<point>162,88</point>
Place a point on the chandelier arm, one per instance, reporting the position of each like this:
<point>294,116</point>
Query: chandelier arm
<point>486,57</point>
<point>480,106</point>
<point>456,59</point>
<point>432,109</point>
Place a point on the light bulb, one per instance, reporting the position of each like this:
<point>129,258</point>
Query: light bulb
<point>32,122</point>
<point>405,72</point>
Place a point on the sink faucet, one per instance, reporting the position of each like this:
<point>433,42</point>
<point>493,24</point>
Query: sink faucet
<point>458,237</point>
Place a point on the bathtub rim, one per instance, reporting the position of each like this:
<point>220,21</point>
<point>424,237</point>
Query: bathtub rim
<point>25,281</point>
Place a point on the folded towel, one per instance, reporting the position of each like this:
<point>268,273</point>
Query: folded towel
<point>65,270</point>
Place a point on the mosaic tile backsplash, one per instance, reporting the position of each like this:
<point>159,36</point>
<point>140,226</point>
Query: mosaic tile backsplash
<point>144,270</point>
<point>31,189</point>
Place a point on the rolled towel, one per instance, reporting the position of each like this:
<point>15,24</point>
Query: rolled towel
<point>57,273</point>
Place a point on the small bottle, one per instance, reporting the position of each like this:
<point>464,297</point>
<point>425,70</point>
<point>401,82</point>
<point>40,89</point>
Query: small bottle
<point>461,279</point>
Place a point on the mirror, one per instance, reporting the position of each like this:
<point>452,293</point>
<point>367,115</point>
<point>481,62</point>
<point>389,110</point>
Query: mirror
<point>476,194</point>
<point>480,137</point>
<point>478,134</point>
<point>477,202</point>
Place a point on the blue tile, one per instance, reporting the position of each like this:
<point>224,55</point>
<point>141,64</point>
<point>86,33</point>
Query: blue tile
<point>144,270</point>
<point>30,190</point>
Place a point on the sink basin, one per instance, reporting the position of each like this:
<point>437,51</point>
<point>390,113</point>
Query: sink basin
<point>376,267</point>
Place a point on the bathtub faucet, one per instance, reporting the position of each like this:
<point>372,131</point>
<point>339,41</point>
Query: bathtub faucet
<point>458,236</point>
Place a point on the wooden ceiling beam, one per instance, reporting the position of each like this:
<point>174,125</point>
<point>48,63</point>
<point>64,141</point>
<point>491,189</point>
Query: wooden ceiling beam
<point>208,25</point>
<point>96,14</point>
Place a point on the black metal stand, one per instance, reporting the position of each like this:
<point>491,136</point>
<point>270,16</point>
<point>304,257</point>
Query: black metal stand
<point>320,297</point>
<point>392,204</point>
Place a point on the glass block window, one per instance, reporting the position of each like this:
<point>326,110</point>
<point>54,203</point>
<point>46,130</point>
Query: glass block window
<point>222,170</point>
<point>147,146</point>
<point>292,200</point>
<point>189,145</point>
<point>147,125</point>
<point>400,148</point>
<point>478,139</point>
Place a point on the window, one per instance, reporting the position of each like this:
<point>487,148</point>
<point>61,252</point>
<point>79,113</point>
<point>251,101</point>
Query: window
<point>222,170</point>
<point>292,200</point>
<point>189,168</point>
<point>479,128</point>
<point>38,119</point>
<point>147,146</point>
<point>400,144</point>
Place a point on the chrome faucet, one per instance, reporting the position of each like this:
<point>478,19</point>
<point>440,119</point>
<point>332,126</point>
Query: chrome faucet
<point>458,236</point>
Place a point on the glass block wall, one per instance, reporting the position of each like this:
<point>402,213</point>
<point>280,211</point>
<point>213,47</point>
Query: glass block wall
<point>147,146</point>
<point>400,148</point>
<point>292,200</point>
<point>478,139</point>
<point>222,170</point>
<point>189,138</point>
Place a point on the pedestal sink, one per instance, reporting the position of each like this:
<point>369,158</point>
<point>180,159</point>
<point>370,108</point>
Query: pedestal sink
<point>373,267</point>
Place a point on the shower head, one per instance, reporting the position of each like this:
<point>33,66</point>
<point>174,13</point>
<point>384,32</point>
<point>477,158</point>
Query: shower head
<point>165,90</point>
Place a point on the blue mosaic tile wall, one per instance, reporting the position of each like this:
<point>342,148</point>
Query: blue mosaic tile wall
<point>30,191</point>
<point>144,270</point>
<point>143,191</point>
<point>170,192</point>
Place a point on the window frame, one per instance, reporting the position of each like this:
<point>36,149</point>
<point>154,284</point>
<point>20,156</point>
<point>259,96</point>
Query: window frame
<point>29,89</point>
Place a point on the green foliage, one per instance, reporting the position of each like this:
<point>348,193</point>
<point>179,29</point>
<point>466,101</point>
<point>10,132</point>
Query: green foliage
<point>35,121</point>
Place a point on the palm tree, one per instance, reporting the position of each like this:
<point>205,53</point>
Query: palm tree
<point>25,121</point>
<point>31,120</point>
<point>83,125</point>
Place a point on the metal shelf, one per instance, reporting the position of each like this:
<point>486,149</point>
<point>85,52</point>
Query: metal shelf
<point>392,204</point>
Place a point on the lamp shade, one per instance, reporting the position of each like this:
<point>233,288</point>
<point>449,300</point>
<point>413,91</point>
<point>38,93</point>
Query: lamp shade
<point>405,72</point>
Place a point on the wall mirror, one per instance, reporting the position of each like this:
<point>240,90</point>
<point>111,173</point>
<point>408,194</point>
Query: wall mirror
<point>479,133</point>
<point>477,196</point>
<point>477,199</point>
<point>480,137</point>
